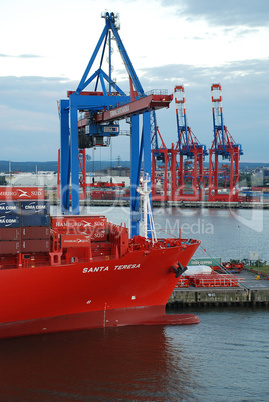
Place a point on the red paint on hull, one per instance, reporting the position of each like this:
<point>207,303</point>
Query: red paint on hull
<point>154,315</point>
<point>133,289</point>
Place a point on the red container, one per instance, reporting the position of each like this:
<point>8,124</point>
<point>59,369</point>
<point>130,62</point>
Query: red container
<point>35,232</point>
<point>10,247</point>
<point>10,234</point>
<point>21,193</point>
<point>98,234</point>
<point>253,198</point>
<point>75,241</point>
<point>78,224</point>
<point>35,246</point>
<point>96,195</point>
<point>108,195</point>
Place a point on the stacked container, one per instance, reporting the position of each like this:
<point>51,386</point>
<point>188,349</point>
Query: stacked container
<point>24,226</point>
<point>82,225</point>
<point>75,235</point>
<point>10,227</point>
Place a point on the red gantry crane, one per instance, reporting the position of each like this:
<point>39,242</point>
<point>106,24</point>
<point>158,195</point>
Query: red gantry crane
<point>161,163</point>
<point>223,145</point>
<point>187,181</point>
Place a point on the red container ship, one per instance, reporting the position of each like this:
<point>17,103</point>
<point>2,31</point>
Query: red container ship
<point>80,272</point>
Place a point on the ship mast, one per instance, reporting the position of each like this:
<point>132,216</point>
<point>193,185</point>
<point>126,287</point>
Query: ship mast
<point>145,191</point>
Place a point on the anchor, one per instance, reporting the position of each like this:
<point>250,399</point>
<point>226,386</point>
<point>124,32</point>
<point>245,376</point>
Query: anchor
<point>179,269</point>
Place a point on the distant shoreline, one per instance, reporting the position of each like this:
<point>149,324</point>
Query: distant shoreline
<point>90,165</point>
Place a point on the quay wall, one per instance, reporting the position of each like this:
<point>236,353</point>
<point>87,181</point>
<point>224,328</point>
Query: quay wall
<point>174,204</point>
<point>182,298</point>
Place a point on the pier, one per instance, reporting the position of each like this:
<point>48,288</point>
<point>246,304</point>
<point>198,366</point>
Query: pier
<point>252,292</point>
<point>173,204</point>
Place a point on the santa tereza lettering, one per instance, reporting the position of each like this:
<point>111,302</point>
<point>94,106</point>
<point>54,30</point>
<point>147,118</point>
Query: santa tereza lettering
<point>87,270</point>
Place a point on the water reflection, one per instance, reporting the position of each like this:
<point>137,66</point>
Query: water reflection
<point>129,363</point>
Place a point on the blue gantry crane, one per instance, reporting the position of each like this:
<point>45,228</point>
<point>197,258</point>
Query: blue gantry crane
<point>103,109</point>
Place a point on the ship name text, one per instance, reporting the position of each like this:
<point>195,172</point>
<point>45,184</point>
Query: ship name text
<point>87,270</point>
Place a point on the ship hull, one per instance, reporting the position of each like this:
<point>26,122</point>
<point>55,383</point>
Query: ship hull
<point>132,290</point>
<point>154,315</point>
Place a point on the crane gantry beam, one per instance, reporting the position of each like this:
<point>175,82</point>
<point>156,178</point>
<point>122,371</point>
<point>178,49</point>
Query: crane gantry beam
<point>150,102</point>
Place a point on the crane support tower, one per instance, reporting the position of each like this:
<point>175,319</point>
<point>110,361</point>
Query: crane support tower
<point>223,145</point>
<point>190,150</point>
<point>102,109</point>
<point>161,163</point>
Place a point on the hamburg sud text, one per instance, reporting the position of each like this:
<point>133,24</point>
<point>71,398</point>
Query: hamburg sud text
<point>95,228</point>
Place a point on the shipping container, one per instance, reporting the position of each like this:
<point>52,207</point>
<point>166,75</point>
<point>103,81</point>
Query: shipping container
<point>10,247</point>
<point>35,232</point>
<point>35,220</point>
<point>98,235</point>
<point>10,234</point>
<point>35,246</point>
<point>96,195</point>
<point>108,195</point>
<point>213,261</point>
<point>35,207</point>
<point>69,240</point>
<point>78,224</point>
<point>21,193</point>
<point>10,221</point>
<point>9,207</point>
<point>253,198</point>
<point>242,198</point>
<point>262,189</point>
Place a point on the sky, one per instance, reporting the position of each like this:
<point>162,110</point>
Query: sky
<point>46,45</point>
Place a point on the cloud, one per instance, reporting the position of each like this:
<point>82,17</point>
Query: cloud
<point>245,90</point>
<point>227,13</point>
<point>21,56</point>
<point>193,74</point>
<point>29,123</point>
<point>33,92</point>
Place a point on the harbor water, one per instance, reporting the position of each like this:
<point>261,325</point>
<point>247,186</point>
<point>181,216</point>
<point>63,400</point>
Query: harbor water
<point>225,233</point>
<point>223,358</point>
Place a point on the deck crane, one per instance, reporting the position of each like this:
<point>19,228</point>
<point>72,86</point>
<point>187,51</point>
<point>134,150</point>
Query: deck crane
<point>189,148</point>
<point>223,145</point>
<point>106,105</point>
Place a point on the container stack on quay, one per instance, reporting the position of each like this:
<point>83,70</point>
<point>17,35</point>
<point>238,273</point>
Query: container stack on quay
<point>209,282</point>
<point>205,276</point>
<point>215,289</point>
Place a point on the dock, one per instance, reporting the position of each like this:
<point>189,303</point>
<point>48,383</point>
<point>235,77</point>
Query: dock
<point>173,204</point>
<point>252,292</point>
